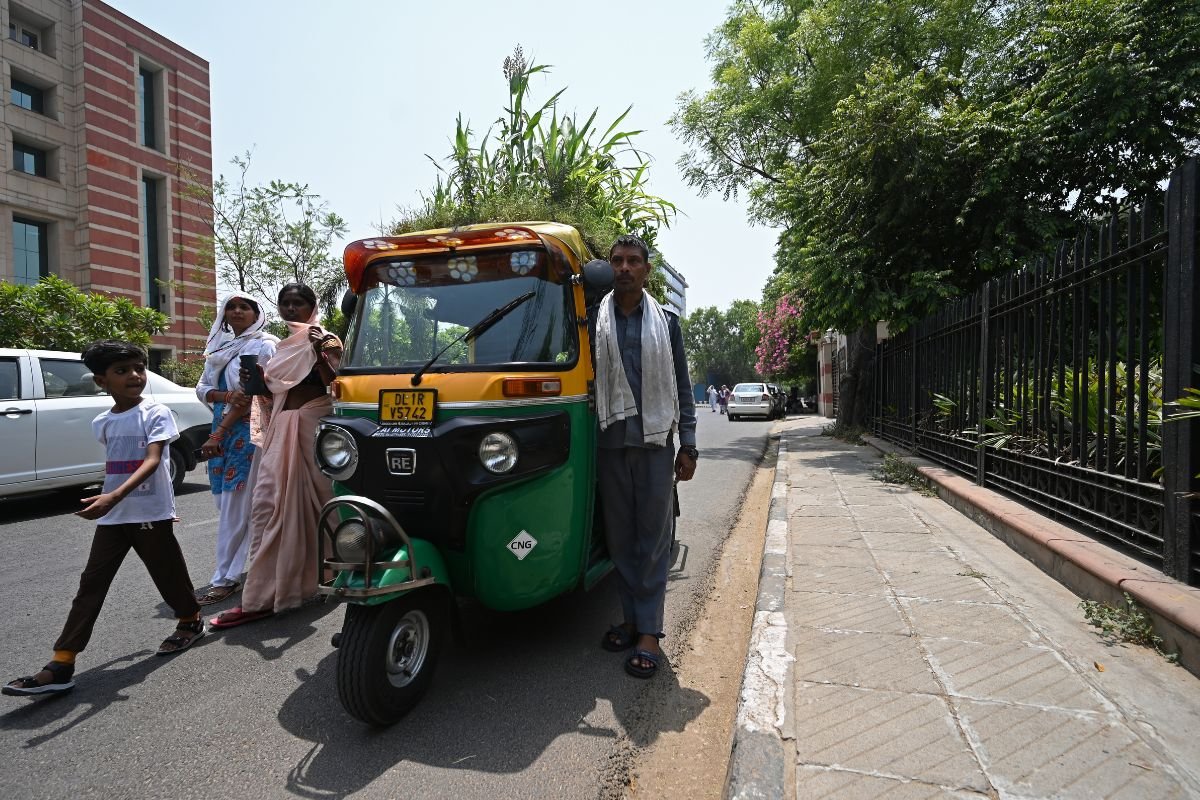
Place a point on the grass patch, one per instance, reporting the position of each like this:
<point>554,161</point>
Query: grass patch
<point>973,573</point>
<point>1126,623</point>
<point>894,469</point>
<point>851,434</point>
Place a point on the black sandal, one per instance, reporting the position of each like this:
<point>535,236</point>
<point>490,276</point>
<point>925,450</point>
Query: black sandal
<point>618,639</point>
<point>177,643</point>
<point>62,681</point>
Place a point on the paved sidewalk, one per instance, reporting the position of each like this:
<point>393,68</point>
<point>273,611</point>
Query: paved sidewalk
<point>902,651</point>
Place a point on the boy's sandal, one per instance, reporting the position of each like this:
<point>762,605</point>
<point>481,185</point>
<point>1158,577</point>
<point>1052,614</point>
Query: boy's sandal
<point>236,616</point>
<point>618,638</point>
<point>62,681</point>
<point>186,634</point>
<point>216,594</point>
<point>637,670</point>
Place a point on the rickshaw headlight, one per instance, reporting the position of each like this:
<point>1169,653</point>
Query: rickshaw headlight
<point>337,454</point>
<point>498,453</point>
<point>350,542</point>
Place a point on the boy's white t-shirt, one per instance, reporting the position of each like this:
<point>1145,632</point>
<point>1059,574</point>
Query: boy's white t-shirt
<point>125,436</point>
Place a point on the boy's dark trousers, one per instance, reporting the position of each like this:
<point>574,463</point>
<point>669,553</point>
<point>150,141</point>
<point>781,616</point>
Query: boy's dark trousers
<point>156,545</point>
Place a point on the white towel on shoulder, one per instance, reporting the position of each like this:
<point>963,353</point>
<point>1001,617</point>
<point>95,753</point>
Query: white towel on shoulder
<point>660,396</point>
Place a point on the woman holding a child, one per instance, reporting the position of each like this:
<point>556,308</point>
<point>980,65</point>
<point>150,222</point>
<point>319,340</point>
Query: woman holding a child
<point>237,331</point>
<point>290,490</point>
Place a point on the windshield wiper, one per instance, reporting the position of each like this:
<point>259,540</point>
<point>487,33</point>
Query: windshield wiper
<point>475,331</point>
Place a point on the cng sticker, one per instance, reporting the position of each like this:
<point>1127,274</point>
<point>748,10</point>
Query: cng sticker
<point>522,545</point>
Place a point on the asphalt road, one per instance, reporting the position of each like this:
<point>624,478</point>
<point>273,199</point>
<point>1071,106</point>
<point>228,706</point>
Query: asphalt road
<point>526,705</point>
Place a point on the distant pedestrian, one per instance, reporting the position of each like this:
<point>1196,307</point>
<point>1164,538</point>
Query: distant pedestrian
<point>723,398</point>
<point>135,509</point>
<point>713,400</point>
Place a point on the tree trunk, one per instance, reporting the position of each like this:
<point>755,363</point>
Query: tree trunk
<point>857,382</point>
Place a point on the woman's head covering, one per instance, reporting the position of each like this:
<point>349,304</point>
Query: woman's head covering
<point>222,344</point>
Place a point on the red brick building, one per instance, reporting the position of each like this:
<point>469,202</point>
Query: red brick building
<point>104,122</point>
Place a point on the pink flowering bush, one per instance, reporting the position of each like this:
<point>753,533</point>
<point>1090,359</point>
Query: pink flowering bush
<point>780,336</point>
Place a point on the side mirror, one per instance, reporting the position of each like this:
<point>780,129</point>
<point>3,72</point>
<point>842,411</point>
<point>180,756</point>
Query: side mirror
<point>597,278</point>
<point>349,303</point>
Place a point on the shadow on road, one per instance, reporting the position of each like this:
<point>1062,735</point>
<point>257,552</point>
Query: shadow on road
<point>106,684</point>
<point>499,700</point>
<point>749,449</point>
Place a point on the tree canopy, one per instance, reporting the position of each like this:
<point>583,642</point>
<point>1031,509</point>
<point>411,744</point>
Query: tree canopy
<point>721,344</point>
<point>909,149</point>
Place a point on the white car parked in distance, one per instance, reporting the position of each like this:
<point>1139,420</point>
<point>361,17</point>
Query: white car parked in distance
<point>47,403</point>
<point>750,399</point>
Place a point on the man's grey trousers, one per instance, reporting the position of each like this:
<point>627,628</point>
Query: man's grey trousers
<point>636,492</point>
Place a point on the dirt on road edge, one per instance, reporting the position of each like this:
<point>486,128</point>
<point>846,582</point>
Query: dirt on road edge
<point>708,667</point>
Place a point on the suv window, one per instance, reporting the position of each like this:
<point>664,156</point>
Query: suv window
<point>10,379</point>
<point>68,379</point>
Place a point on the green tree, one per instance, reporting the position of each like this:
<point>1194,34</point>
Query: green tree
<point>266,235</point>
<point>54,315</point>
<point>909,150</point>
<point>720,345</point>
<point>534,163</point>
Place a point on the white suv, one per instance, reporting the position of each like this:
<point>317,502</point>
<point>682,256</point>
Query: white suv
<point>47,403</point>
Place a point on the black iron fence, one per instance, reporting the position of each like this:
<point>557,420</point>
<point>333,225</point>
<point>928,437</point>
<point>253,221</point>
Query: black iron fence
<point>1049,383</point>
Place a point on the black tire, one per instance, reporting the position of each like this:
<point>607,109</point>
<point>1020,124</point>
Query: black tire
<point>731,417</point>
<point>387,655</point>
<point>178,469</point>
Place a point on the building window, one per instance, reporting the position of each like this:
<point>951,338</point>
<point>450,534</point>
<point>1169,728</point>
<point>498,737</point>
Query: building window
<point>23,35</point>
<point>147,87</point>
<point>152,228</point>
<point>30,262</point>
<point>27,96</point>
<point>29,160</point>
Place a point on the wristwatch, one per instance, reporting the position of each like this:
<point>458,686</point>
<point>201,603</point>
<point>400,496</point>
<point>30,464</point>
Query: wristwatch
<point>690,451</point>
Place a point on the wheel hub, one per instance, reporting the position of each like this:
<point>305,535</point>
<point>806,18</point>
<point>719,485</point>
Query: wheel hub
<point>407,648</point>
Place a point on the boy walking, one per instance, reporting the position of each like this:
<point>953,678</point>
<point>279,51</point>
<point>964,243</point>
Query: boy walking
<point>135,510</point>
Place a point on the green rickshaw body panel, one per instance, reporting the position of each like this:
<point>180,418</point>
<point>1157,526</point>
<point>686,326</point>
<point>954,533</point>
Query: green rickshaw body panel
<point>554,509</point>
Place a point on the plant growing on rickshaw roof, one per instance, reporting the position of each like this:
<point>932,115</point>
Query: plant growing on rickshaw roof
<point>534,163</point>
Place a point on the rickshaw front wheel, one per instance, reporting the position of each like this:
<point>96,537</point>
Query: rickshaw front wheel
<point>387,655</point>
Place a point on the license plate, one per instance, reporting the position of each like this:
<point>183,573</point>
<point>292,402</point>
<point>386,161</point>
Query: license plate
<point>399,406</point>
<point>401,461</point>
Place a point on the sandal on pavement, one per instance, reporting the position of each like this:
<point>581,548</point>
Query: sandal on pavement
<point>618,638</point>
<point>186,634</point>
<point>234,617</point>
<point>637,670</point>
<point>61,681</point>
<point>216,594</point>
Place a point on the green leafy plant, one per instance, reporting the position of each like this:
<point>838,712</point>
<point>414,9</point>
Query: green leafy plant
<point>1128,622</point>
<point>55,315</point>
<point>851,434</point>
<point>894,469</point>
<point>535,163</point>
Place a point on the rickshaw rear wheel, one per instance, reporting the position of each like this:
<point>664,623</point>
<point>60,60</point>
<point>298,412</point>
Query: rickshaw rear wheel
<point>387,655</point>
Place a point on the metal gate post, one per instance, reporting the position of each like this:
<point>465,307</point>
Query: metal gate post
<point>1181,351</point>
<point>984,382</point>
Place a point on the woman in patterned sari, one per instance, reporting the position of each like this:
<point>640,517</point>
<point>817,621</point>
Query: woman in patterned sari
<point>237,331</point>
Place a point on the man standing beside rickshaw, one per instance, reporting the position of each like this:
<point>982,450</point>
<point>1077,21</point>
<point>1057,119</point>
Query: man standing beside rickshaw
<point>643,395</point>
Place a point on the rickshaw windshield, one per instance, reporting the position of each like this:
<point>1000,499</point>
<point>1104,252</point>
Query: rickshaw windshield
<point>417,306</point>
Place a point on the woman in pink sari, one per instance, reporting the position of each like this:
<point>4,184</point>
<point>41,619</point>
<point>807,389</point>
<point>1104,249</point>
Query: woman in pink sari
<point>290,490</point>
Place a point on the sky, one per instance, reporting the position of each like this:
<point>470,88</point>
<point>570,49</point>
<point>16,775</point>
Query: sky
<point>349,97</point>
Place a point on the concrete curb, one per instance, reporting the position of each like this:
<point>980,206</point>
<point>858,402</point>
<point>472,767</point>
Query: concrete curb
<point>1087,567</point>
<point>757,763</point>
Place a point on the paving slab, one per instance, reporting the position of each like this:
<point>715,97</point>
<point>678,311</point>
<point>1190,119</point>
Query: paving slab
<point>1015,673</point>
<point>831,782</point>
<point>824,555</point>
<point>847,612</point>
<point>895,734</point>
<point>981,622</point>
<point>868,660</point>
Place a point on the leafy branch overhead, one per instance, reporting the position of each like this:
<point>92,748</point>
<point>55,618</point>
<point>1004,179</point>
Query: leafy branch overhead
<point>535,163</point>
<point>267,235</point>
